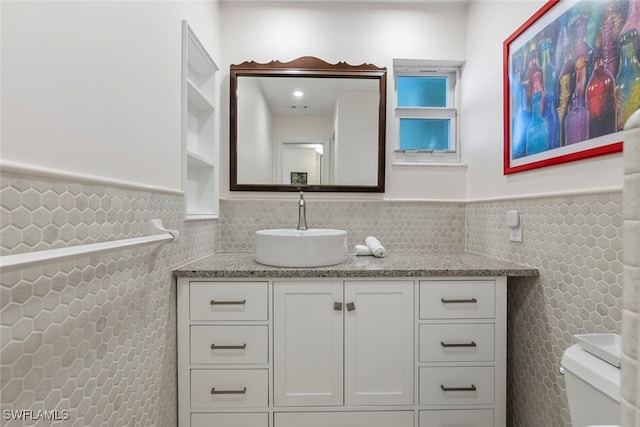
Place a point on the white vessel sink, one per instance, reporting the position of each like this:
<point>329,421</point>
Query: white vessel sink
<point>285,247</point>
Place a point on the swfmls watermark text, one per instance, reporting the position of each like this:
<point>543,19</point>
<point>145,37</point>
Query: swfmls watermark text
<point>35,415</point>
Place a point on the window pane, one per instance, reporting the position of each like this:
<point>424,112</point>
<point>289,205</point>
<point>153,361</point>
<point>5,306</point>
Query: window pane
<point>424,134</point>
<point>422,91</point>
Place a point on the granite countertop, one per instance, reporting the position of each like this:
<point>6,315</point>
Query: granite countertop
<point>413,264</point>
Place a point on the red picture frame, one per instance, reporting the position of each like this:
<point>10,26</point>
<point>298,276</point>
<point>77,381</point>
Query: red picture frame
<point>548,68</point>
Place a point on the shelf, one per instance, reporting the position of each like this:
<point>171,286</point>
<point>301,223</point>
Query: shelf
<point>200,63</point>
<point>201,132</point>
<point>199,216</point>
<point>197,160</point>
<point>199,129</point>
<point>200,190</point>
<point>197,99</point>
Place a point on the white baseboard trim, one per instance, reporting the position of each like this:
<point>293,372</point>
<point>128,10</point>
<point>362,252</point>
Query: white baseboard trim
<point>7,166</point>
<point>550,194</point>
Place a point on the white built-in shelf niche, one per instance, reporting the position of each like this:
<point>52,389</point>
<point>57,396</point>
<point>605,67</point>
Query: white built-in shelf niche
<point>199,130</point>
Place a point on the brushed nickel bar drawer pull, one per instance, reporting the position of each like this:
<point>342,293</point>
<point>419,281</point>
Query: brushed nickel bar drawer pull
<point>472,388</point>
<point>228,347</point>
<point>214,391</point>
<point>214,302</point>
<point>469,344</point>
<point>459,301</point>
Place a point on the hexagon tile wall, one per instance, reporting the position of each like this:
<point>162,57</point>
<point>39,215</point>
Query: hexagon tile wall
<point>94,336</point>
<point>400,226</point>
<point>576,242</point>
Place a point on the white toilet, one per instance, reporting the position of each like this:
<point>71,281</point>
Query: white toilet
<point>593,388</point>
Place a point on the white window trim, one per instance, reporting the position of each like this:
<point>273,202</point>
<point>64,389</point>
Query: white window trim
<point>415,67</point>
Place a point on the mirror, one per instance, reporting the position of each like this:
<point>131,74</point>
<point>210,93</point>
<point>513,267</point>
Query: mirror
<point>307,125</point>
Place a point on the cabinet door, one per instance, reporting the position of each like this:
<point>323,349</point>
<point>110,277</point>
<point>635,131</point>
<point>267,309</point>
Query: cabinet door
<point>459,418</point>
<point>379,343</point>
<point>230,420</point>
<point>344,419</point>
<point>307,340</point>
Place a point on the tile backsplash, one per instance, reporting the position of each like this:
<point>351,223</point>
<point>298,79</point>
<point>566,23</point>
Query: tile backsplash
<point>401,226</point>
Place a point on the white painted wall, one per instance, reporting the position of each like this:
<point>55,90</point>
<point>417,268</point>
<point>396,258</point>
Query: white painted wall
<point>311,129</point>
<point>298,159</point>
<point>94,87</point>
<point>255,137</point>
<point>356,139</point>
<point>482,116</point>
<point>302,127</point>
<point>356,33</point>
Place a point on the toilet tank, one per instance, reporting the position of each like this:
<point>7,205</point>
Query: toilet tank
<point>593,388</point>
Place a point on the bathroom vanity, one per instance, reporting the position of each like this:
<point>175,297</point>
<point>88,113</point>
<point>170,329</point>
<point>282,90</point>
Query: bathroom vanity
<point>416,340</point>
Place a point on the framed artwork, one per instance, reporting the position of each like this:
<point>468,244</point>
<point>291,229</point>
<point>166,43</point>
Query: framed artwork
<point>571,80</point>
<point>298,178</point>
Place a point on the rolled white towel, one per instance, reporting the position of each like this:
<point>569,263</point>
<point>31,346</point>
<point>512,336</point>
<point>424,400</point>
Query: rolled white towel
<point>375,246</point>
<point>362,250</point>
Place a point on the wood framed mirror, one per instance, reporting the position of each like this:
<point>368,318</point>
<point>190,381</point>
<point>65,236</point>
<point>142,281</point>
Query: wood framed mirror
<point>307,125</point>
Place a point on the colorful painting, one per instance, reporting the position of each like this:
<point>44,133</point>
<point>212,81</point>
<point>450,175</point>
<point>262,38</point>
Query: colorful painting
<point>571,80</point>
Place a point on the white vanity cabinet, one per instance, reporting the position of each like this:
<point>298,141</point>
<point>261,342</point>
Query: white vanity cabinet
<point>328,352</point>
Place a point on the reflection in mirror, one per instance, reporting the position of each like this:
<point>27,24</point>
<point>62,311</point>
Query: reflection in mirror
<point>307,124</point>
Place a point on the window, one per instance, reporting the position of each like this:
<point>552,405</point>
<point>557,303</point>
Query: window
<point>426,111</point>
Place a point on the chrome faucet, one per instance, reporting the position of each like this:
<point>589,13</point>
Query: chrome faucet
<point>302,213</point>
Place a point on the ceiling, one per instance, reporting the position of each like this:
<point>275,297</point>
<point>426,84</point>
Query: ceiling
<point>320,94</point>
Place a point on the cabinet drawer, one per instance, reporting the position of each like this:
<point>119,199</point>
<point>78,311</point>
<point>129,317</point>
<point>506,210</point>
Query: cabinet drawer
<point>458,418</point>
<point>230,388</point>
<point>457,386</point>
<point>228,300</point>
<point>339,419</point>
<point>457,300</point>
<point>460,342</point>
<point>230,420</point>
<point>229,344</point>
